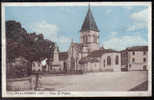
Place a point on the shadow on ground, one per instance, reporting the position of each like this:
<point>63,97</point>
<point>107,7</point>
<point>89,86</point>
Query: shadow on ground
<point>141,87</point>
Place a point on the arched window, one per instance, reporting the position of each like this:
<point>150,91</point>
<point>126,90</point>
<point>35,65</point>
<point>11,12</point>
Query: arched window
<point>133,60</point>
<point>144,59</point>
<point>108,60</point>
<point>117,60</point>
<point>104,63</point>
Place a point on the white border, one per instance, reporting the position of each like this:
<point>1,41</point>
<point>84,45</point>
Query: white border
<point>78,4</point>
<point>78,94</point>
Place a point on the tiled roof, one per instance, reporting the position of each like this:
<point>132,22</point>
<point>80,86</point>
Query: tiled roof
<point>137,48</point>
<point>63,55</point>
<point>89,22</point>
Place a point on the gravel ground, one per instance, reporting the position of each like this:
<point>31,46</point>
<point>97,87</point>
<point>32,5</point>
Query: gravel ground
<point>101,81</point>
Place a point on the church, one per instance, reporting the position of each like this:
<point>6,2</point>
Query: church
<point>86,56</point>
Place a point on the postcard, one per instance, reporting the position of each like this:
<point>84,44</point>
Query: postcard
<point>74,49</point>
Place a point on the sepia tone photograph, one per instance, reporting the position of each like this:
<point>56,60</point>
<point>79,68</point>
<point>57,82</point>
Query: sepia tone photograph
<point>88,49</point>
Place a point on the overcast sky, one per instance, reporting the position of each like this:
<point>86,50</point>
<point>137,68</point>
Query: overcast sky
<point>120,26</point>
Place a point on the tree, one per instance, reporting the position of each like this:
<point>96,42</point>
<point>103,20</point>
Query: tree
<point>31,46</point>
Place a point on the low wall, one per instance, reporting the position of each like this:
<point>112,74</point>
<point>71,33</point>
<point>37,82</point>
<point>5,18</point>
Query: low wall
<point>20,84</point>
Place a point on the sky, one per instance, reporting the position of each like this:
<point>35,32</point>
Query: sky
<point>120,26</point>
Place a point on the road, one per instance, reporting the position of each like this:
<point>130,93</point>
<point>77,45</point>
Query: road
<point>101,81</point>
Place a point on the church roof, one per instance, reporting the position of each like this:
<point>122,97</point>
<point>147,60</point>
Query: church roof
<point>98,53</point>
<point>92,57</point>
<point>89,22</point>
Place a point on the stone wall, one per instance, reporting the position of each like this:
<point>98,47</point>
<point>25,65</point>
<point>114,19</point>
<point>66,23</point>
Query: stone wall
<point>136,60</point>
<point>113,66</point>
<point>20,84</point>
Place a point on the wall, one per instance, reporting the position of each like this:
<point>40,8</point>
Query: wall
<point>139,62</point>
<point>73,51</point>
<point>135,67</point>
<point>92,67</point>
<point>124,58</point>
<point>113,66</point>
<point>20,84</point>
<point>58,68</point>
<point>91,45</point>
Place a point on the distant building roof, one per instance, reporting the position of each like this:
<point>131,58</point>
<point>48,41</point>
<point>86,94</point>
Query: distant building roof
<point>137,48</point>
<point>63,55</point>
<point>89,22</point>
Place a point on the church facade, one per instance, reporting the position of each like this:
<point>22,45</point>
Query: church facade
<point>86,56</point>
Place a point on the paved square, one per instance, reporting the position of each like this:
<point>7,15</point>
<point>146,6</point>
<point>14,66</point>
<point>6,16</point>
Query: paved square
<point>101,81</point>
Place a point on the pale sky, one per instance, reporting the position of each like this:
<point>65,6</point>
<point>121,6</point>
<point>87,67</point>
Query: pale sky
<point>120,26</point>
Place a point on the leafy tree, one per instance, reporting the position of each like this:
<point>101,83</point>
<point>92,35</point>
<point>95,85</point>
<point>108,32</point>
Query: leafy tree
<point>30,46</point>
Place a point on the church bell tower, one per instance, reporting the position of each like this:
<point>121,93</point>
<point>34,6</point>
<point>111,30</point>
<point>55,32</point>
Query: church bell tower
<point>89,33</point>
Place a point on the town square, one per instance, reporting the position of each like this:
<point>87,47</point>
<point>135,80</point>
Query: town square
<point>104,48</point>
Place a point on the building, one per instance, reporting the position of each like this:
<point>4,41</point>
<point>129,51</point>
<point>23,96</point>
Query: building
<point>86,56</point>
<point>36,66</point>
<point>74,55</point>
<point>89,33</point>
<point>63,56</point>
<point>111,60</point>
<point>40,66</point>
<point>102,60</point>
<point>89,42</point>
<point>58,62</point>
<point>135,58</point>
